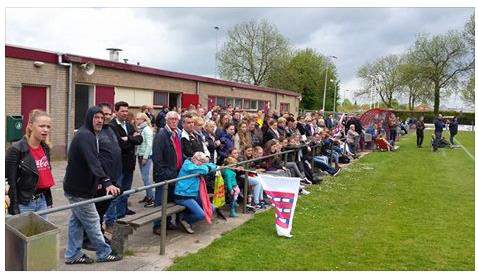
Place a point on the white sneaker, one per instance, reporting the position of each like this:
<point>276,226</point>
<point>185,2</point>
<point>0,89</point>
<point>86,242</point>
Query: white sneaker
<point>305,192</point>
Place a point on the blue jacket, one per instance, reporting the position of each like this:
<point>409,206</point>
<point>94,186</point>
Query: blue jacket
<point>227,145</point>
<point>190,187</point>
<point>439,125</point>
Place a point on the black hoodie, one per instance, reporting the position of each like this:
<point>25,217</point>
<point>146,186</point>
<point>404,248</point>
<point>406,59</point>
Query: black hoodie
<point>84,171</point>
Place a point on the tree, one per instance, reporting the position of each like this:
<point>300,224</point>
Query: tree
<point>304,72</point>
<point>413,85</point>
<point>250,51</point>
<point>382,77</point>
<point>441,59</point>
<point>468,89</point>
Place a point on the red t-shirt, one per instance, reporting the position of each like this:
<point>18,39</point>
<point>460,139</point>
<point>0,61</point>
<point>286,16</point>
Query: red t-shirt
<point>45,179</point>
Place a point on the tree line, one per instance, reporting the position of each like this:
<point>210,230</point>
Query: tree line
<point>434,67</point>
<point>255,52</point>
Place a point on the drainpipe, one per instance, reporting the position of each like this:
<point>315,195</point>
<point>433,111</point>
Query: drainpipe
<point>68,95</point>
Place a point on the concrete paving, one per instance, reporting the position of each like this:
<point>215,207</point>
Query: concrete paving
<point>143,245</point>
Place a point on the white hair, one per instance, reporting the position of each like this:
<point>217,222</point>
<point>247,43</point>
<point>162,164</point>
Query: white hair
<point>201,157</point>
<point>172,114</point>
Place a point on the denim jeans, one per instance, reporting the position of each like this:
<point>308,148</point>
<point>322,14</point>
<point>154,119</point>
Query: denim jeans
<point>84,218</point>
<point>146,175</point>
<point>258,190</point>
<point>194,211</point>
<point>451,139</point>
<point>111,212</point>
<point>319,161</point>
<point>294,169</point>
<point>34,206</point>
<point>125,181</point>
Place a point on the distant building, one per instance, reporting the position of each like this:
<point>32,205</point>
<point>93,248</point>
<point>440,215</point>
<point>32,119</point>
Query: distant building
<point>423,108</point>
<point>65,85</point>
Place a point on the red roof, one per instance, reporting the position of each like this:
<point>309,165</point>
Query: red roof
<point>51,57</point>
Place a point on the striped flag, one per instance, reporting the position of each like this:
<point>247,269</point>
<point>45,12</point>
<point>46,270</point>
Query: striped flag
<point>282,193</point>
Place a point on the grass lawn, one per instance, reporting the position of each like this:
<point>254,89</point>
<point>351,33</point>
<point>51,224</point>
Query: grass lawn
<point>406,210</point>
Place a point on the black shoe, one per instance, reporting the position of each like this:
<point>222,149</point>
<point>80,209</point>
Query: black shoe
<point>110,258</point>
<point>221,214</point>
<point>145,199</point>
<point>170,226</point>
<point>130,212</point>
<point>149,203</point>
<point>81,260</point>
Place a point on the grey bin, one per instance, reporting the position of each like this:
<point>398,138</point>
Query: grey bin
<point>31,243</point>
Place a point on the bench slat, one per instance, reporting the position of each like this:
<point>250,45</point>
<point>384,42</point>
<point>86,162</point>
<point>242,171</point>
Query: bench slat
<point>156,216</point>
<point>148,211</point>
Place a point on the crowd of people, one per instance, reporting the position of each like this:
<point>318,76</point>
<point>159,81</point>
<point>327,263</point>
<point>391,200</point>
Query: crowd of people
<point>113,142</point>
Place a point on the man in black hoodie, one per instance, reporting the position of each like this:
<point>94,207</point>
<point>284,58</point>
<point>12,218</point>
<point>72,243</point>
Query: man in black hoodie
<point>84,176</point>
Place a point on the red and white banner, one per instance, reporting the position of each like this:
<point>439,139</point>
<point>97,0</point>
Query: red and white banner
<point>282,193</point>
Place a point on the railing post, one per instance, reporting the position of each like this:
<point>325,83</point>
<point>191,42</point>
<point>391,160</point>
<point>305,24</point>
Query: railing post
<point>164,216</point>
<point>246,191</point>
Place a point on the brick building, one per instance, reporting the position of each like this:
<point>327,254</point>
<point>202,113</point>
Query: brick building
<point>61,85</point>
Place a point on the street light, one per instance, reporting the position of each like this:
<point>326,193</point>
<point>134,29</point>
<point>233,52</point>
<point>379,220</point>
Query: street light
<point>215,59</point>
<point>326,70</point>
<point>335,91</point>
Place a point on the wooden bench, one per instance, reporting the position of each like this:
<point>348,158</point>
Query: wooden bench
<point>125,226</point>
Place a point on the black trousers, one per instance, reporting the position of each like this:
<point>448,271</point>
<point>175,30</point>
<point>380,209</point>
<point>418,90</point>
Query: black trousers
<point>419,137</point>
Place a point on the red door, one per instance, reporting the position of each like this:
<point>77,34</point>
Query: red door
<point>32,98</point>
<point>105,94</point>
<point>188,99</point>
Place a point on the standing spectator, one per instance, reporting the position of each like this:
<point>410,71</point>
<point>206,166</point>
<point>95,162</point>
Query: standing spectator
<point>330,122</point>
<point>453,129</point>
<point>231,185</point>
<point>236,118</point>
<point>28,169</point>
<point>161,118</point>
<point>393,130</point>
<point>128,138</point>
<point>167,160</point>
<point>243,137</point>
<point>223,120</point>
<point>272,132</point>
<point>189,140</point>
<point>227,143</point>
<point>281,126</point>
<point>110,159</point>
<point>420,129</point>
<point>439,126</point>
<point>212,142</point>
<point>352,137</point>
<point>148,110</point>
<point>84,174</point>
<point>144,154</point>
<point>256,133</point>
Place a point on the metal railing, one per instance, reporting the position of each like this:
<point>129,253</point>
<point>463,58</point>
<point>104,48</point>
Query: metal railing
<point>165,185</point>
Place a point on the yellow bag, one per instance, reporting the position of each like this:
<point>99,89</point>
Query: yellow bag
<point>219,199</point>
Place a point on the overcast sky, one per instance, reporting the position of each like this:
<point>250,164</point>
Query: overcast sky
<point>184,39</point>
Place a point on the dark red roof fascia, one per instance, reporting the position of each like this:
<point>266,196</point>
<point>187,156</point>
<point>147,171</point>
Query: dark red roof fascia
<point>154,71</point>
<point>28,54</point>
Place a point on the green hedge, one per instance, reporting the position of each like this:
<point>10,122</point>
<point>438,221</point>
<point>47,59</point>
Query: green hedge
<point>463,118</point>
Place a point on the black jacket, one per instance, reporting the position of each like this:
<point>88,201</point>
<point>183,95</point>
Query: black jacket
<point>161,119</point>
<point>301,127</point>
<point>453,127</point>
<point>22,175</point>
<point>270,135</point>
<point>329,123</point>
<point>164,156</point>
<point>110,153</point>
<point>84,170</point>
<point>127,147</point>
<point>191,144</point>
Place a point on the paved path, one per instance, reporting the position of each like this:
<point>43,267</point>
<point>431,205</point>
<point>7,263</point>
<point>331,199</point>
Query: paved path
<point>144,247</point>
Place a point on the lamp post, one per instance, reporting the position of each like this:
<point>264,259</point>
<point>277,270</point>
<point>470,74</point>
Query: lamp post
<point>215,57</point>
<point>335,91</point>
<point>325,85</point>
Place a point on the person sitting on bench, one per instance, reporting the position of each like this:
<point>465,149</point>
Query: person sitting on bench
<point>187,190</point>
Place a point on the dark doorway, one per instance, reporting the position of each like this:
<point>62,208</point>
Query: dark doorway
<point>173,100</point>
<point>83,99</point>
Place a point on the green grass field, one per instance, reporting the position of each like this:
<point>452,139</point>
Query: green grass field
<point>406,210</point>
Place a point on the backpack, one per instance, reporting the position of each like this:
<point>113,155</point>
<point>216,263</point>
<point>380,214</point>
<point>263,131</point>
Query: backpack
<point>344,159</point>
